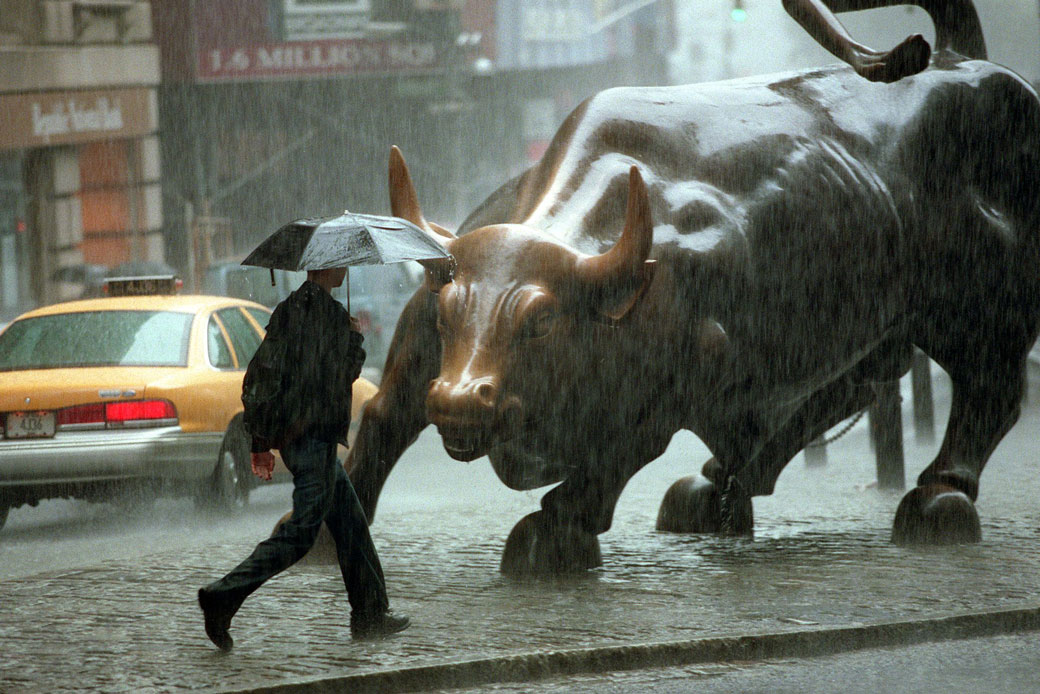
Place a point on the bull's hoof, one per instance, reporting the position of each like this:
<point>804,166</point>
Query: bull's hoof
<point>936,514</point>
<point>694,505</point>
<point>535,547</point>
<point>322,552</point>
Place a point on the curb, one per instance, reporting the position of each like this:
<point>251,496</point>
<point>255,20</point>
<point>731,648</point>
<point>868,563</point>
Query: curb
<point>794,644</point>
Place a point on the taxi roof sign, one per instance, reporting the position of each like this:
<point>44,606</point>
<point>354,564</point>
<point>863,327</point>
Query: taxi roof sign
<point>149,285</point>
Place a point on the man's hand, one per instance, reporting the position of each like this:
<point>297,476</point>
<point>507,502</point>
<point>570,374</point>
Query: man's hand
<point>263,465</point>
<point>355,324</point>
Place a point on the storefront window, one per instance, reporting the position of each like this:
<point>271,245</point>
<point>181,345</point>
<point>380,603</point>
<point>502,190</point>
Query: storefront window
<point>14,233</point>
<point>106,207</point>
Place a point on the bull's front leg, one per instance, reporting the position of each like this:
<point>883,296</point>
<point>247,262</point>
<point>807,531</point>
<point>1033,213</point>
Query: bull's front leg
<point>562,537</point>
<point>396,415</point>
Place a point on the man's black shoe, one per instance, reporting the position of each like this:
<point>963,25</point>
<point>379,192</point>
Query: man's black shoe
<point>378,626</point>
<point>217,617</point>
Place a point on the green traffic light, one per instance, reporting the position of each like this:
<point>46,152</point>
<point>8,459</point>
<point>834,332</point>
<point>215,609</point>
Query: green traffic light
<point>738,14</point>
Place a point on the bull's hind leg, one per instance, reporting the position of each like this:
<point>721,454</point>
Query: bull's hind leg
<point>694,504</point>
<point>941,509</point>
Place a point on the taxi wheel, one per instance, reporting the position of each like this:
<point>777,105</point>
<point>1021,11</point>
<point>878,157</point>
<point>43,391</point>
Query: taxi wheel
<point>231,477</point>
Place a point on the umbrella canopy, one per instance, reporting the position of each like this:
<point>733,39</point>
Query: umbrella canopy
<point>320,243</point>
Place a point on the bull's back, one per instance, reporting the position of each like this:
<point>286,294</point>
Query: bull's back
<point>708,150</point>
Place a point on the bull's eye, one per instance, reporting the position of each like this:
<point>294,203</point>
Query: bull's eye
<point>539,325</point>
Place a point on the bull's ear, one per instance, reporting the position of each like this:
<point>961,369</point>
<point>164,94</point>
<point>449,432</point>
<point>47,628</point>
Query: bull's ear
<point>613,282</point>
<point>441,230</point>
<point>404,203</point>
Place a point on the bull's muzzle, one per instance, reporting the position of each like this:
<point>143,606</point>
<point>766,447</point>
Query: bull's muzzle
<point>471,415</point>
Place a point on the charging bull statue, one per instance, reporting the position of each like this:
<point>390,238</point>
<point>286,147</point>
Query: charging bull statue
<point>742,260</point>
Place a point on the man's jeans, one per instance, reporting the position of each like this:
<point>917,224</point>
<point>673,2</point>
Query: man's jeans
<point>321,492</point>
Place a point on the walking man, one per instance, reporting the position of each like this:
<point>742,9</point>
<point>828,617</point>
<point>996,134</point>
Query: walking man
<point>297,397</point>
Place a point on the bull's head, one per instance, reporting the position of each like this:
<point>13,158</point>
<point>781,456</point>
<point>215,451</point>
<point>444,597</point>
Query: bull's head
<point>516,312</point>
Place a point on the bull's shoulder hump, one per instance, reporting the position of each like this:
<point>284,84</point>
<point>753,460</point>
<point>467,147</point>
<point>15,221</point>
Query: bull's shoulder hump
<point>679,106</point>
<point>682,125</point>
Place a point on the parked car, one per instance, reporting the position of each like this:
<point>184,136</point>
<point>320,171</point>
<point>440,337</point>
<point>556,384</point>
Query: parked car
<point>139,393</point>
<point>378,294</point>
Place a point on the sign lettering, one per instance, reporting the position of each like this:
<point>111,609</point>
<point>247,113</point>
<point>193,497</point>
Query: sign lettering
<point>37,119</point>
<point>316,57</point>
<point>74,115</point>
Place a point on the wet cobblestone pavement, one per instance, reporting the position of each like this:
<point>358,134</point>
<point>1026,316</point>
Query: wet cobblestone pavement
<point>820,557</point>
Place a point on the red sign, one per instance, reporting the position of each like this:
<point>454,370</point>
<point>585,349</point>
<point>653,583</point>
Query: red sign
<point>325,57</point>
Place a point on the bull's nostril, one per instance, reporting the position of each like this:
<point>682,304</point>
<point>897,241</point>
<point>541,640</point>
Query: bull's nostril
<point>486,393</point>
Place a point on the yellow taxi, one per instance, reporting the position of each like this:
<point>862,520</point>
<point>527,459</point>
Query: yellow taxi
<point>139,392</point>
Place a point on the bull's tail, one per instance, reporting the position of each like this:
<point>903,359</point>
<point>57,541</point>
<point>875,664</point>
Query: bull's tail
<point>957,26</point>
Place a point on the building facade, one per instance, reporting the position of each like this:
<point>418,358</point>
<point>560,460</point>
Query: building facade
<point>79,150</point>
<point>278,109</point>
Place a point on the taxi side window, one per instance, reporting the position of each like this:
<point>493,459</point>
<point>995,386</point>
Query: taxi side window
<point>261,317</point>
<point>219,352</point>
<point>244,338</point>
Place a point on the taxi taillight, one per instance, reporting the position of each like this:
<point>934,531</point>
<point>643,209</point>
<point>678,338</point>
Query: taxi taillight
<point>82,414</point>
<point>117,413</point>
<point>138,410</point>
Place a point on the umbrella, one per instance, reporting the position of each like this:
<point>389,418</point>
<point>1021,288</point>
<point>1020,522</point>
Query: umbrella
<point>320,243</point>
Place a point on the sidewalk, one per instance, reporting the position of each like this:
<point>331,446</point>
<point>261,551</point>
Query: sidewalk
<point>820,572</point>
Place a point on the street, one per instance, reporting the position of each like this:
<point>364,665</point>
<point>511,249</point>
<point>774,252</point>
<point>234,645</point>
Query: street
<point>93,599</point>
<point>995,665</point>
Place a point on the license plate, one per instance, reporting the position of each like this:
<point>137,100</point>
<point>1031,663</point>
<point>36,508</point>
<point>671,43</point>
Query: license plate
<point>29,425</point>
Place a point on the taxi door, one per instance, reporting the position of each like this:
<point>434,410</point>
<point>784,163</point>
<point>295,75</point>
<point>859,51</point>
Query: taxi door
<point>231,339</point>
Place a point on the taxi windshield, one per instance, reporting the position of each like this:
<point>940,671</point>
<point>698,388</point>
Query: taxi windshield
<point>96,338</point>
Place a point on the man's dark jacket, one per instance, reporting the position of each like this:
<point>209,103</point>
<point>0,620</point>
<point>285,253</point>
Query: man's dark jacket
<point>300,379</point>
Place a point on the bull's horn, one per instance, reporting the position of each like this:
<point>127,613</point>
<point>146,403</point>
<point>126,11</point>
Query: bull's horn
<point>404,203</point>
<point>618,277</point>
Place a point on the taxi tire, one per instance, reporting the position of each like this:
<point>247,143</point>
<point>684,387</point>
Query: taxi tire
<point>4,510</point>
<point>231,481</point>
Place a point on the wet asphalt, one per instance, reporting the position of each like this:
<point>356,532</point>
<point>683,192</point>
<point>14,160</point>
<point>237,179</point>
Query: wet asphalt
<point>1006,664</point>
<point>126,621</point>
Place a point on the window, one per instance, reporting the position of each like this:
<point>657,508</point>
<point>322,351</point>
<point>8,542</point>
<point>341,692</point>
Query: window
<point>262,318</point>
<point>219,352</point>
<point>244,339</point>
<point>96,338</point>
<point>107,176</point>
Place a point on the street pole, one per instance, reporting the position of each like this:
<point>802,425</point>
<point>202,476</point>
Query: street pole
<point>924,409</point>
<point>886,426</point>
<point>189,231</point>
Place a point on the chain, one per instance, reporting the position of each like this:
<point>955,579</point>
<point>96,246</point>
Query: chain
<point>731,489</point>
<point>844,430</point>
